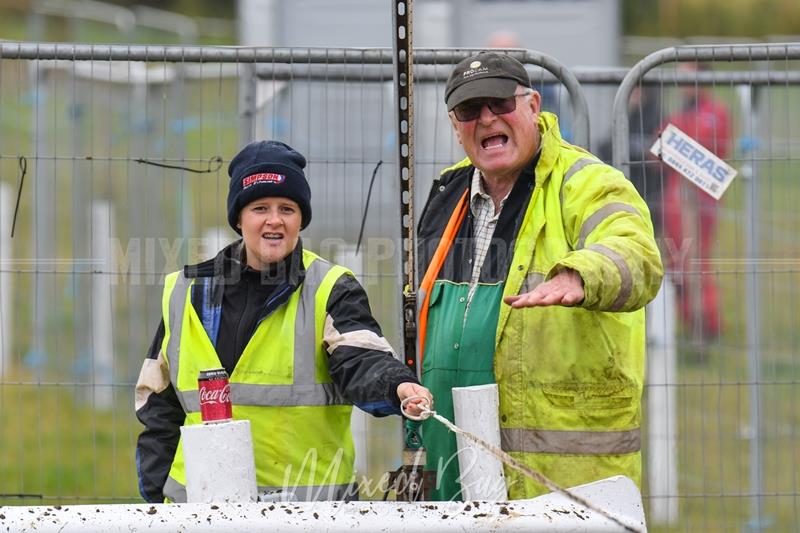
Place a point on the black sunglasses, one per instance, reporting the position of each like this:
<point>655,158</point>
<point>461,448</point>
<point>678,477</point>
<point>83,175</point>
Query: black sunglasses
<point>471,109</point>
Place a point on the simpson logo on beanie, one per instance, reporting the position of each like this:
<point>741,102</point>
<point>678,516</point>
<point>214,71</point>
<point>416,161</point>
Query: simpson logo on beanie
<point>267,168</point>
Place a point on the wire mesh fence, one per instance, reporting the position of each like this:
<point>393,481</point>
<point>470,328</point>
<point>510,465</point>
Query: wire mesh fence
<point>113,173</point>
<point>723,368</point>
<point>113,167</point>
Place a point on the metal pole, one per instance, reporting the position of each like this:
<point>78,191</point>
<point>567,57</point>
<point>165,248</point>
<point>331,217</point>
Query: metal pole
<point>81,225</point>
<point>404,82</point>
<point>409,485</point>
<point>662,371</point>
<point>44,208</point>
<point>6,295</point>
<point>247,103</point>
<point>237,54</point>
<point>179,54</point>
<point>102,351</point>
<point>752,323</point>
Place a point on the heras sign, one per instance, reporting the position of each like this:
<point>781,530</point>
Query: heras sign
<point>691,159</point>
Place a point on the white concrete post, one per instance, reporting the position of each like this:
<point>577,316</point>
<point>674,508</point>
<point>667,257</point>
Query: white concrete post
<point>102,339</point>
<point>662,453</point>
<point>476,411</point>
<point>220,466</point>
<point>6,296</point>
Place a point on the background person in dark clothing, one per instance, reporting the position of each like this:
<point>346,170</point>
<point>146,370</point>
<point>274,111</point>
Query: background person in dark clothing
<point>645,117</point>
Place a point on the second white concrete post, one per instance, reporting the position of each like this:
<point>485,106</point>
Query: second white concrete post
<point>476,411</point>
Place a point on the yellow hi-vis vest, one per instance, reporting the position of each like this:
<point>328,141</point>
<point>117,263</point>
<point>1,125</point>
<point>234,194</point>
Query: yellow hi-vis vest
<point>281,384</point>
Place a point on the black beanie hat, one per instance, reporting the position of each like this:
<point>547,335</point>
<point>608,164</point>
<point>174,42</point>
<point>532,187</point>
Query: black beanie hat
<point>267,168</point>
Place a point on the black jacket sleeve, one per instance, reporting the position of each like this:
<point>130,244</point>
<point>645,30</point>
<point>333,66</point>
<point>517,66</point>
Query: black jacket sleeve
<point>362,363</point>
<point>158,408</point>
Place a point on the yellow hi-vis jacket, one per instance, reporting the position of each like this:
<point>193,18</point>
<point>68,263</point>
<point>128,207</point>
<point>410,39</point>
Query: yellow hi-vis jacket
<point>571,404</point>
<point>300,423</point>
<point>570,378</point>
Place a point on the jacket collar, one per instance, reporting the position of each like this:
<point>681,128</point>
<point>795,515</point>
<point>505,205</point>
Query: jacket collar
<point>549,146</point>
<point>229,264</point>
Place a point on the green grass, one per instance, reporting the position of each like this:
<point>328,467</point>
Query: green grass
<point>54,448</point>
<point>682,18</point>
<point>714,446</point>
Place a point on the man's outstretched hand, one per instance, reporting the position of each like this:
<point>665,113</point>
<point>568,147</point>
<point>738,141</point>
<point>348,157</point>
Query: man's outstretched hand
<point>565,288</point>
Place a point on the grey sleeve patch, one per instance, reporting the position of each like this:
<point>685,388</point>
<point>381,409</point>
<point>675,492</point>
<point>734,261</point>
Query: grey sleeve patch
<point>362,338</point>
<point>153,378</point>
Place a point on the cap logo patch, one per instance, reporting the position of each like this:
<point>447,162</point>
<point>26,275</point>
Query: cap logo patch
<point>474,71</point>
<point>263,177</point>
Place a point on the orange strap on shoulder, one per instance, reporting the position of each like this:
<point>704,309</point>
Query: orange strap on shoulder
<point>449,235</point>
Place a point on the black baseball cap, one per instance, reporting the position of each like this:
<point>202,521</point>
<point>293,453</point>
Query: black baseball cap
<point>485,75</point>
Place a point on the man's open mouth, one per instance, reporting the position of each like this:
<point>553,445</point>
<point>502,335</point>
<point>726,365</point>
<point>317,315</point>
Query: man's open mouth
<point>494,141</point>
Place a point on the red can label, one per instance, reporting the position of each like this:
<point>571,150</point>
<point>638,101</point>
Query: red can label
<point>215,395</point>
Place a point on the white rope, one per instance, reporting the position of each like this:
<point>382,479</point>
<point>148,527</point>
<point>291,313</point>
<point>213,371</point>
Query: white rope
<point>511,462</point>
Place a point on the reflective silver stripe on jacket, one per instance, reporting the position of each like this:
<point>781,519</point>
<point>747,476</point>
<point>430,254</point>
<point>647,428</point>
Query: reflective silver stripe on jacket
<point>174,491</point>
<point>177,302</point>
<point>626,285</point>
<point>570,442</point>
<point>574,169</point>
<point>317,394</point>
<point>599,216</point>
<point>304,391</point>
<point>308,493</point>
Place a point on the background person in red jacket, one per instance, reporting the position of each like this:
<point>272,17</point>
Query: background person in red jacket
<point>690,214</point>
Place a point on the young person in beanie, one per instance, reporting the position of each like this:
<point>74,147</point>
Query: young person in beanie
<point>551,250</point>
<point>294,332</point>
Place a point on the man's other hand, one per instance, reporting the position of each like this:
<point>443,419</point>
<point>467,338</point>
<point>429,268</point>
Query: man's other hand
<point>413,407</point>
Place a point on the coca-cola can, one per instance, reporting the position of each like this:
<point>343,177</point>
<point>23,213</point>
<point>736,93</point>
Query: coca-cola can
<point>215,395</point>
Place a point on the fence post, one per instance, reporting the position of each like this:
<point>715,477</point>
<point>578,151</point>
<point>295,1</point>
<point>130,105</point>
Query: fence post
<point>102,342</point>
<point>6,296</point>
<point>661,413</point>
<point>753,322</point>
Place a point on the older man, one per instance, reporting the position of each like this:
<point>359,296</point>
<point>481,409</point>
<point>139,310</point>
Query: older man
<point>538,261</point>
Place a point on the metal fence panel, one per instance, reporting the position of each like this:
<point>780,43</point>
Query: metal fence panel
<point>723,367</point>
<point>117,158</point>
